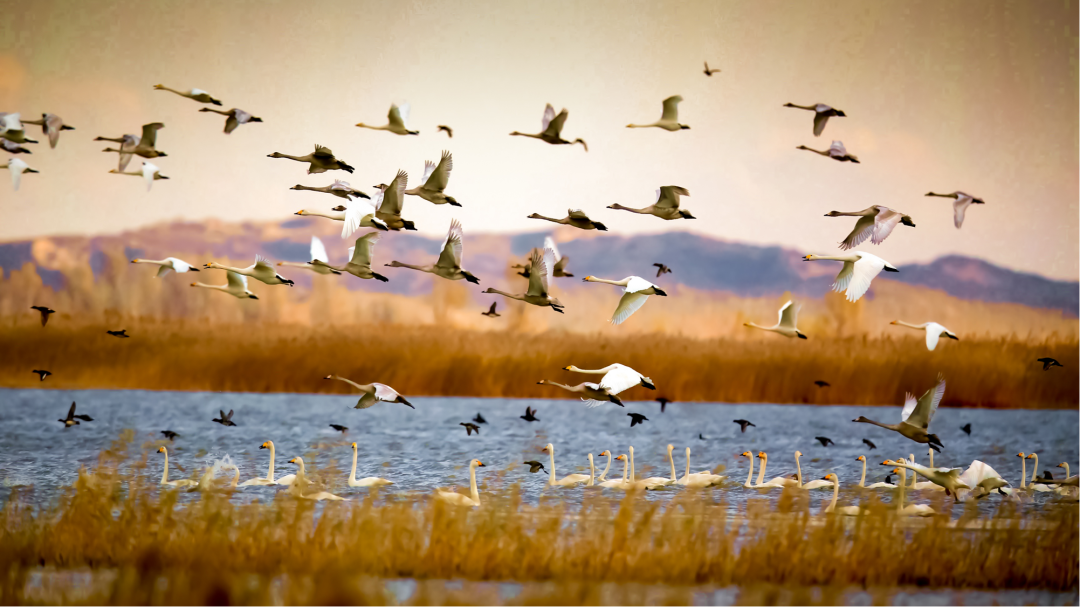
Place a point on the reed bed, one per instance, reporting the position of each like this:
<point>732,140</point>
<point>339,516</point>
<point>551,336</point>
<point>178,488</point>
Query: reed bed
<point>431,361</point>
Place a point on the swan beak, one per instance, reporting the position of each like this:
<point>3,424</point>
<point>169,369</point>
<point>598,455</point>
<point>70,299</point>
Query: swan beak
<point>134,261</point>
<point>292,461</point>
<point>566,368</point>
<point>808,258</point>
<point>480,464</point>
<point>893,322</point>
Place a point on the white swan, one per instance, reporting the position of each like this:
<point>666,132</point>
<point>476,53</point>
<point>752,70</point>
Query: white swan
<point>194,94</point>
<point>269,478</point>
<point>449,264</point>
<point>652,482</point>
<point>1033,486</point>
<point>983,479</point>
<point>814,484</point>
<point>960,204</point>
<point>927,485</point>
<point>592,472</point>
<point>17,168</point>
<point>836,151</point>
<point>666,205</point>
<point>603,475</point>
<point>567,481</point>
<point>374,393</point>
<point>165,474</point>
<point>297,487</point>
<point>822,113</point>
<point>617,378</point>
<point>149,172</point>
<point>318,253</point>
<point>434,181</point>
<point>360,256</point>
<point>636,292</point>
<point>473,499</point>
<point>551,129</point>
<point>786,324</point>
<point>168,264</point>
<point>933,332</point>
<point>875,223</point>
<point>51,125</point>
<point>12,129</point>
<point>669,119</point>
<point>916,416</point>
<point>236,285</point>
<point>356,213</point>
<point>262,270</point>
<point>778,482</point>
<point>949,478</point>
<point>750,474</point>
<point>859,269</point>
<point>913,509</point>
<point>370,481</point>
<point>619,484</point>
<point>396,119</point>
<point>862,480</point>
<point>833,480</point>
<point>700,479</point>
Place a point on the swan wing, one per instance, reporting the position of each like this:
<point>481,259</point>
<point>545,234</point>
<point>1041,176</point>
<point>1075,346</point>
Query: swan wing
<point>671,109</point>
<point>864,271</point>
<point>318,250</point>
<point>450,258</point>
<point>909,406</point>
<point>179,265</point>
<point>323,152</point>
<point>927,405</point>
<point>864,228</point>
<point>163,270</point>
<point>886,220</point>
<point>933,333</point>
<point>11,122</point>
<point>620,378</point>
<point>538,275</point>
<point>236,281</point>
<point>837,149</point>
<point>843,279</point>
<point>385,393</point>
<point>554,128</point>
<point>441,177</point>
<point>16,169</point>
<point>364,249</point>
<point>398,115</point>
<point>636,284</point>
<point>262,264</point>
<point>341,185</point>
<point>549,243</point>
<point>429,168</point>
<point>628,304</point>
<point>394,196</point>
<point>667,197</point>
<point>819,122</point>
<point>549,115</point>
<point>148,171</point>
<point>788,316</point>
<point>960,206</point>
<point>577,214</point>
<point>149,134</point>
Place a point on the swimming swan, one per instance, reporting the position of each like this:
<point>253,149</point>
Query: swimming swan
<point>370,481</point>
<point>458,499</point>
<point>165,474</point>
<point>297,487</point>
<point>567,481</point>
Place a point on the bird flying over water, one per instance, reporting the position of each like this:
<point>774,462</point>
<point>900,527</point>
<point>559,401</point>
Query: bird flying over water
<point>663,403</point>
<point>530,415</point>
<point>933,332</point>
<point>786,325</point>
<point>42,374</point>
<point>448,265</point>
<point>1046,361</point>
<point>340,428</point>
<point>470,428</point>
<point>824,440</point>
<point>535,466</point>
<point>479,419</point>
<point>636,418</point>
<point>374,393</point>
<point>72,419</point>
<point>169,434</point>
<point>538,293</point>
<point>224,419</point>
<point>743,424</point>
<point>966,429</point>
<point>869,443</point>
<point>636,292</point>
<point>916,416</point>
<point>45,311</point>
<point>822,384</point>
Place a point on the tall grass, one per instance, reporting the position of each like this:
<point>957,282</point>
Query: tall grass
<point>190,355</point>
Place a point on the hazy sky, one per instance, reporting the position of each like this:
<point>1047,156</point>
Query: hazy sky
<point>942,96</point>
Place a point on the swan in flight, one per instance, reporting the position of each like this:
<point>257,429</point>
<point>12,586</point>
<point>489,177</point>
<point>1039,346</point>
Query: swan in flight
<point>17,168</point>
<point>396,119</point>
<point>960,204</point>
<point>636,292</point>
<point>168,264</point>
<point>360,255</point>
<point>434,181</point>
<point>551,129</point>
<point>574,218</point>
<point>822,113</point>
<point>186,482</point>
<point>297,487</point>
<point>559,270</point>
<point>836,151</point>
<point>236,285</point>
<point>318,253</point>
<point>699,479</point>
<point>666,205</point>
<point>669,119</point>
<point>236,117</point>
<point>833,480</point>
<point>916,416</point>
<point>319,161</point>
<point>145,146</point>
<point>457,499</point>
<point>622,483</point>
<point>778,482</point>
<point>370,481</point>
<point>875,223</point>
<point>933,332</point>
<point>355,214</point>
<point>983,479</point>
<point>567,481</point>
<point>926,485</point>
<point>339,188</point>
<point>12,129</point>
<point>449,264</point>
<point>786,325</point>
<point>149,172</point>
<point>538,293</point>
<point>262,270</point>
<point>948,478</point>
<point>269,478</point>
<point>194,94</point>
<point>390,201</point>
<point>13,148</point>
<point>51,125</point>
<point>913,509</point>
<point>652,482</point>
<point>594,394</point>
<point>374,393</point>
<point>859,269</point>
<point>617,378</point>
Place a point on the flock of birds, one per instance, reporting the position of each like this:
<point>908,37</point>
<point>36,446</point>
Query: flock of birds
<point>382,212</point>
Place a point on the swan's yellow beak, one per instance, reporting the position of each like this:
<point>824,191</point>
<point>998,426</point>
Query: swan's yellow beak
<point>1020,455</point>
<point>860,459</point>
<point>354,445</point>
<point>479,463</point>
<point>896,471</point>
<point>566,368</point>
<point>1030,455</point>
<point>292,461</point>
<point>161,449</point>
<point>893,322</point>
<point>134,261</point>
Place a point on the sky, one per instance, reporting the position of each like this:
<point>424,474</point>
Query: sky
<point>972,96</point>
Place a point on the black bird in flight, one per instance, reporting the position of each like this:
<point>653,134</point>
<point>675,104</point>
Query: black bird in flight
<point>637,418</point>
<point>224,420</point>
<point>449,131</point>
<point>530,415</point>
<point>966,428</point>
<point>663,403</point>
<point>743,424</point>
<point>825,441</point>
<point>709,72</point>
<point>700,436</point>
<point>72,419</point>
<point>821,384</point>
<point>479,419</point>
<point>869,444</point>
<point>662,269</point>
<point>42,373</point>
<point>1046,361</point>
<point>45,312</point>
<point>169,434</point>
<point>492,313</point>
<point>534,466</point>
<point>120,333</point>
<point>340,428</point>
<point>470,428</point>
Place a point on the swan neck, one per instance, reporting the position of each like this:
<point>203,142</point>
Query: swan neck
<point>671,460</point>
<point>1023,472</point>
<point>617,283</point>
<point>750,475</point>
<point>472,484</point>
<point>1035,468</point>
<point>761,472</point>
<point>835,494</point>
<point>352,474</point>
<point>798,470</point>
<point>270,470</point>
<point>625,465</point>
<point>910,326</point>
<point>687,474</point>
<point>165,473</point>
<point>903,482</point>
<point>603,475</point>
<point>551,473</point>
<point>862,479</point>
<point>851,258</point>
<point>592,472</point>
<point>633,476</point>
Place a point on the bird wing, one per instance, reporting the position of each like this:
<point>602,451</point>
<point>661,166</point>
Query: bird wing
<point>549,243</point>
<point>933,334</point>
<point>671,108</point>
<point>960,206</point>
<point>318,250</point>
<point>429,168</point>
<point>538,275</point>
<point>397,115</point>
<point>341,185</point>
<point>789,316</point>
<point>927,405</point>
<point>667,197</point>
<point>148,171</point>
<point>628,304</point>
<point>230,124</point>
<point>163,270</point>
<point>236,281</point>
<point>637,284</point>
<point>450,258</point>
<point>843,279</point>
<point>355,211</point>
<point>263,264</point>
<point>837,149</point>
<point>554,128</point>
<point>52,126</point>
<point>323,152</point>
<point>179,265</point>
<point>13,122</point>
<point>864,271</point>
<point>864,228</point>
<point>819,123</point>
<point>442,172</point>
<point>620,378</point>
<point>241,116</point>
<point>149,134</point>
<point>364,249</point>
<point>71,412</point>
<point>549,115</point>
<point>385,392</point>
<point>16,172</point>
<point>886,220</point>
<point>394,197</point>
<point>577,214</point>
<point>492,310</point>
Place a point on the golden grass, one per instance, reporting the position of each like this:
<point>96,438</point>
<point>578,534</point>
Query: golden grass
<point>190,355</point>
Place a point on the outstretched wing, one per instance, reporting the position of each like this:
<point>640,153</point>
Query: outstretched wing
<point>843,279</point>
<point>262,263</point>
<point>71,412</point>
<point>441,177</point>
<point>927,405</point>
<point>555,128</point>
<point>323,152</point>
<point>933,333</point>
<point>960,206</point>
<point>864,228</point>
<point>450,258</point>
<point>538,275</point>
<point>819,123</point>
<point>236,281</point>
<point>385,393</point>
<point>909,406</point>
<point>628,304</point>
<point>318,250</point>
<point>577,214</point>
<point>394,197</point>
<point>667,197</point>
<point>149,133</point>
<point>429,168</point>
<point>549,243</point>
<point>863,271</point>
<point>398,115</point>
<point>620,378</point>
<point>886,220</point>
<point>789,316</point>
<point>364,249</point>
<point>549,115</point>
<point>671,108</point>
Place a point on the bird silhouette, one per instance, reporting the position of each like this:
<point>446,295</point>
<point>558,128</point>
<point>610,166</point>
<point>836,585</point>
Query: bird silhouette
<point>663,403</point>
<point>825,441</point>
<point>169,434</point>
<point>470,428</point>
<point>45,312</point>
<point>530,415</point>
<point>492,313</point>
<point>72,419</point>
<point>224,420</point>
<point>535,466</point>
<point>42,374</point>
<point>966,428</point>
<point>1046,361</point>
<point>340,428</point>
<point>709,72</point>
<point>743,424</point>
<point>479,419</point>
<point>662,269</point>
<point>821,384</point>
<point>869,443</point>
<point>637,418</point>
<point>449,131</point>
<point>120,333</point>
<point>701,437</point>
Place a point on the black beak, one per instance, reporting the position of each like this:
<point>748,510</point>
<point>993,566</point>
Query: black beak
<point>660,292</point>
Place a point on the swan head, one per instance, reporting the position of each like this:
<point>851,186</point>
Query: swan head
<point>810,257</point>
<point>301,212</point>
<point>670,448</point>
<point>297,460</point>
<point>274,155</point>
<point>620,457</point>
<point>861,458</point>
<point>860,419</point>
<point>829,477</point>
<point>830,213</point>
<point>158,87</point>
<point>265,445</point>
<point>1030,455</point>
<point>746,454</point>
<point>841,113</point>
<point>534,216</point>
<point>1063,465</point>
<point>906,220</point>
<point>161,450</point>
<point>354,446</point>
<point>477,463</point>
<point>548,448</point>
<point>134,261</point>
<point>798,454</point>
<point>685,127</point>
<point>762,455</point>
<point>1021,455</point>
<point>604,452</point>
<point>897,470</point>
<point>570,368</point>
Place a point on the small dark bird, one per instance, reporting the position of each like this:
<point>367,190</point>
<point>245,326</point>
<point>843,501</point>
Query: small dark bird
<point>340,428</point>
<point>869,444</point>
<point>821,384</point>
<point>169,434</point>
<point>530,415</point>
<point>449,131</point>
<point>470,428</point>
<point>224,420</point>
<point>825,441</point>
<point>888,478</point>
<point>492,313</point>
<point>535,466</point>
<point>637,418</point>
<point>1047,361</point>
<point>663,403</point>
<point>709,72</point>
<point>743,424</point>
<point>479,419</point>
<point>72,419</point>
<point>966,428</point>
<point>700,436</point>
<point>662,269</point>
<point>120,333</point>
<point>45,311</point>
<point>1047,475</point>
<point>42,373</point>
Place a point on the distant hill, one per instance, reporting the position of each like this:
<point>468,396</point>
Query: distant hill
<point>697,261</point>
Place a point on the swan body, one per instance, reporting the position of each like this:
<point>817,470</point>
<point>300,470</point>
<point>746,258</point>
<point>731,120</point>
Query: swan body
<point>1033,486</point>
<point>592,394</point>
<point>859,269</point>
<point>457,499</point>
<point>833,480</point>
<point>186,482</point>
<point>862,479</point>
<point>559,270</point>
<point>982,479</point>
<point>949,478</point>
<point>814,484</point>
<point>749,475</point>
<point>927,485</point>
<point>551,129</point>
<point>194,94</point>
<point>51,125</point>
<point>538,293</point>
<point>236,285</point>
<point>961,202</point>
<point>269,479</point>
<point>235,117</point>
<point>574,218</point>
<point>261,270</point>
<point>636,292</point>
<point>567,481</point>
<point>356,214</point>
<point>169,264</point>
<point>319,161</point>
<point>913,509</point>
<point>623,484</point>
<point>434,181</point>
<point>617,378</point>
<point>389,202</point>
<point>778,482</point>
<point>16,166</point>
<point>339,188</point>
<point>836,151</point>
<point>653,482</point>
<point>669,119</point>
<point>786,324</point>
<point>822,113</point>
<point>449,264</point>
<point>149,172</point>
<point>666,205</point>
<point>360,255</point>
<point>318,253</point>
<point>374,393</point>
<point>12,129</point>
<point>916,415</point>
<point>933,330</point>
<point>700,479</point>
<point>370,481</point>
<point>132,145</point>
<point>396,119</point>
<point>875,223</point>
<point>298,486</point>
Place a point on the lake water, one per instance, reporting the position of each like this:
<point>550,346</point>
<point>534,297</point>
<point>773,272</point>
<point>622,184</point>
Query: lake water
<point>425,448</point>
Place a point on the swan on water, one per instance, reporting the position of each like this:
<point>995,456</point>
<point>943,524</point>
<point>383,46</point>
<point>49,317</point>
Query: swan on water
<point>699,479</point>
<point>370,481</point>
<point>473,499</point>
<point>653,482</point>
<point>186,482</point>
<point>623,483</point>
<point>949,478</point>
<point>833,480</point>
<point>567,481</point>
<point>603,475</point>
<point>300,484</point>
<point>814,484</point>
<point>778,482</point>
<point>913,509</point>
